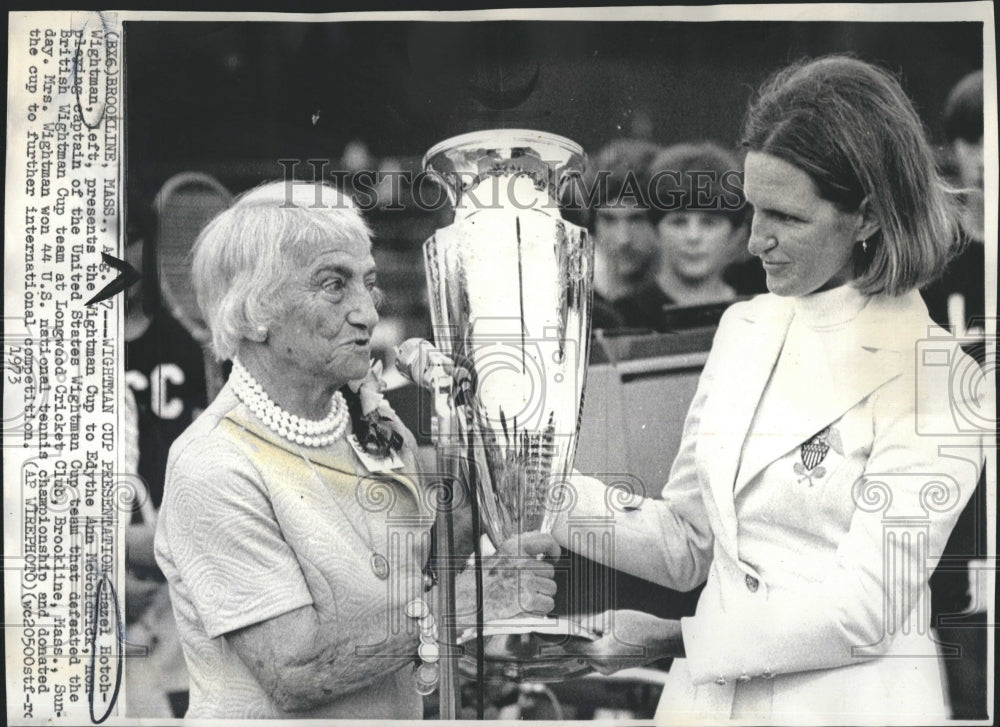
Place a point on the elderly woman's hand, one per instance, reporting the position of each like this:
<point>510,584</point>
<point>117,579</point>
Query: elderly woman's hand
<point>516,581</point>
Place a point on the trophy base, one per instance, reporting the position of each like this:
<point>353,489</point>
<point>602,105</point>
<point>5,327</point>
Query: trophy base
<point>522,649</point>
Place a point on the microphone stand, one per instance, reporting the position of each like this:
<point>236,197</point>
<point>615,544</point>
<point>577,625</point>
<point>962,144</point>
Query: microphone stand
<point>445,437</point>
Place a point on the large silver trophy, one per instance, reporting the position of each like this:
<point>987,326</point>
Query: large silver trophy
<point>510,291</point>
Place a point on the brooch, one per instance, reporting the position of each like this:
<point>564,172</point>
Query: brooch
<point>813,451</point>
<point>373,428</point>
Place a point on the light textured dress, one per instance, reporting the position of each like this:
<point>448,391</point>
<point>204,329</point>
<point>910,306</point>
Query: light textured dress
<point>250,530</point>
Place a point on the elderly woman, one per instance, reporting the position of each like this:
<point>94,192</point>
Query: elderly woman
<point>825,456</point>
<point>294,529</point>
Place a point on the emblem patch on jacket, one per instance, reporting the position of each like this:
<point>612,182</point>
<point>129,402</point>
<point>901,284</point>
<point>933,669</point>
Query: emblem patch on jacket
<point>813,451</point>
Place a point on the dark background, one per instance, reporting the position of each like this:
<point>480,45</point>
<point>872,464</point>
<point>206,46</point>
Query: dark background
<point>231,98</point>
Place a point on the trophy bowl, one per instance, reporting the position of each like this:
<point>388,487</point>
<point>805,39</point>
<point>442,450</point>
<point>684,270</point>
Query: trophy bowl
<point>510,288</point>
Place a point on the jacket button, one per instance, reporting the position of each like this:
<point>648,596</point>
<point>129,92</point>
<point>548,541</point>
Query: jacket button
<point>768,674</point>
<point>721,681</point>
<point>744,678</point>
<point>752,583</point>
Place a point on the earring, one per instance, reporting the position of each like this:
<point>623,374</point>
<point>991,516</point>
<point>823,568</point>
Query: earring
<point>864,246</point>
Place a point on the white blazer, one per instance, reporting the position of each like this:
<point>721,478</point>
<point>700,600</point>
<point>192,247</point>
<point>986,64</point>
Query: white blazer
<point>816,607</point>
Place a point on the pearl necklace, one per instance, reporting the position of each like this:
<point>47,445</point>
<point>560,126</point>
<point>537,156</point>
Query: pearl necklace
<point>307,432</point>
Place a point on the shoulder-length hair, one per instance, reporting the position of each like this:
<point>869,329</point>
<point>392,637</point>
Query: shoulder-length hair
<point>246,255</point>
<point>849,125</point>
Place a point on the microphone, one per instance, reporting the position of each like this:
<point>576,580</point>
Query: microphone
<point>421,362</point>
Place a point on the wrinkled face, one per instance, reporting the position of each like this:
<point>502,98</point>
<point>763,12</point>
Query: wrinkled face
<point>696,245</point>
<point>329,313</point>
<point>626,237</point>
<point>804,241</point>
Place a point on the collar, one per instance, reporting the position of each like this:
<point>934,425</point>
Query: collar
<point>830,309</point>
<point>882,323</point>
<point>338,457</point>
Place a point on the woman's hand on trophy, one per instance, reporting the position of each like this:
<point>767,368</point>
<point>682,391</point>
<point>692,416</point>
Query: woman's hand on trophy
<point>516,580</point>
<point>627,639</point>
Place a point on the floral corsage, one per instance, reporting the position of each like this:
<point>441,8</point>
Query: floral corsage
<point>372,414</point>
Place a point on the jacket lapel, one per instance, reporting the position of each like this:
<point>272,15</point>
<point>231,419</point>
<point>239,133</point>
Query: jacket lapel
<point>819,396</point>
<point>751,347</point>
<point>830,382</point>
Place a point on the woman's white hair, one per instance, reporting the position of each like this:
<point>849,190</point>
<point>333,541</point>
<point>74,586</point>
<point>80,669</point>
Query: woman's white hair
<point>246,255</point>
